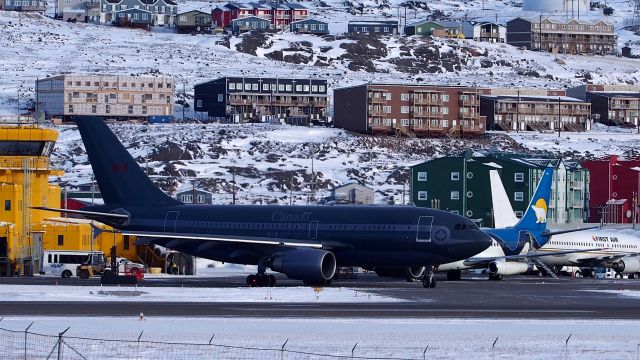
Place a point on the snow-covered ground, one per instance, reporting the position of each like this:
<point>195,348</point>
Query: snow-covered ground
<point>35,47</point>
<point>375,338</point>
<point>164,294</point>
<point>274,162</point>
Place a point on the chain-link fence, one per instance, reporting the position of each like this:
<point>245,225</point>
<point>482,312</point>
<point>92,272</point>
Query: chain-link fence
<point>26,344</point>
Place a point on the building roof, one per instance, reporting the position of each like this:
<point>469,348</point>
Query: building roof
<point>260,6</point>
<point>308,20</point>
<point>532,98</point>
<point>297,7</point>
<point>239,6</point>
<point>351,184</point>
<point>133,10</point>
<point>245,18</point>
<point>194,11</point>
<point>373,22</point>
<point>617,94</point>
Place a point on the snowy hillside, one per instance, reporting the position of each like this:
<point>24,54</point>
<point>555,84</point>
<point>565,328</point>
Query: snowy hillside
<point>272,162</point>
<point>35,47</point>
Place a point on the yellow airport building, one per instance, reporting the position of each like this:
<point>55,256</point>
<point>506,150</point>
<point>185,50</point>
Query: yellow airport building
<point>25,171</point>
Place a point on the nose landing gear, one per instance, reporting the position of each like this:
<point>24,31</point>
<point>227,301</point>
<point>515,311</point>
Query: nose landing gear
<point>429,278</point>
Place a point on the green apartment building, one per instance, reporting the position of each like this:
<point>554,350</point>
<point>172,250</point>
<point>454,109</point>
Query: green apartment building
<point>461,185</point>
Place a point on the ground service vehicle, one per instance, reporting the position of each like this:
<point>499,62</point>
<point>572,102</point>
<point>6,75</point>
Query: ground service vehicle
<point>64,263</point>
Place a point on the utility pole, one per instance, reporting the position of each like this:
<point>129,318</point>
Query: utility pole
<point>559,117</point>
<point>184,98</point>
<point>233,190</point>
<point>313,175</point>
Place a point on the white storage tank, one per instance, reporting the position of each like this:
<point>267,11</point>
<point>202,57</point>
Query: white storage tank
<point>556,5</point>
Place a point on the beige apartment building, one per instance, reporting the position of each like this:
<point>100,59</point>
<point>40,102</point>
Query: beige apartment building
<point>108,96</point>
<point>569,37</point>
<point>534,110</point>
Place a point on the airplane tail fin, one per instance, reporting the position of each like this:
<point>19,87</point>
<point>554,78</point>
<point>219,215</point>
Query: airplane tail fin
<point>503,214</point>
<point>535,218</point>
<point>120,178</point>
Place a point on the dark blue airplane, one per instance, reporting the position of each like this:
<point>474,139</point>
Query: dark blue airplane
<point>303,242</point>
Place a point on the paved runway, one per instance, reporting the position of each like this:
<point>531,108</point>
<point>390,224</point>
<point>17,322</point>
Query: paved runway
<point>515,297</point>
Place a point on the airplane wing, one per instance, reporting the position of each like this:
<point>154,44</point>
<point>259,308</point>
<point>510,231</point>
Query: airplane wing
<point>487,260</point>
<point>177,238</point>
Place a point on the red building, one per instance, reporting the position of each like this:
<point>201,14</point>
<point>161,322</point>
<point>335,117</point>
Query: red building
<point>280,15</point>
<point>614,185</point>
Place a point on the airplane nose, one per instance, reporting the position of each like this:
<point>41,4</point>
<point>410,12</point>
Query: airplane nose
<point>481,241</point>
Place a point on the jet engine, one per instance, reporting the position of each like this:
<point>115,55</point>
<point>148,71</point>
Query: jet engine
<point>507,267</point>
<point>309,265</point>
<point>627,265</point>
<point>400,272</point>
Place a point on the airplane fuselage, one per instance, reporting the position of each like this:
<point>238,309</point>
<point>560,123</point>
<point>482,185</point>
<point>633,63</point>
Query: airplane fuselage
<point>610,244</point>
<point>363,236</point>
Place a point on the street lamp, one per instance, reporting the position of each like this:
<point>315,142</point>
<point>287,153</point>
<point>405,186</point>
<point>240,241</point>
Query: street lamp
<point>635,198</point>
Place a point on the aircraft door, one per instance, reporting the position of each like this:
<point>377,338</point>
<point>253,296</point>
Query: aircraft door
<point>423,233</point>
<point>313,230</point>
<point>170,221</point>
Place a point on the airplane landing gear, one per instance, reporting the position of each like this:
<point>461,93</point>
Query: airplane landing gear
<point>429,278</point>
<point>261,279</point>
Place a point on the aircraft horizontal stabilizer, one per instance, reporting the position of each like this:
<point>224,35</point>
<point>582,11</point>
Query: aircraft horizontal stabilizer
<point>87,214</point>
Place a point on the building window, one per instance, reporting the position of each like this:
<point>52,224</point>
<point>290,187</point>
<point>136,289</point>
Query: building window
<point>232,86</point>
<point>220,97</point>
<point>405,122</point>
<point>298,88</point>
<point>183,18</point>
<point>305,88</point>
<point>422,195</point>
<point>70,108</point>
<point>94,109</point>
<point>455,176</point>
<point>200,199</point>
<point>404,97</point>
<point>107,109</point>
<point>422,176</point>
<point>247,86</point>
<point>7,205</point>
<point>445,110</point>
<point>387,109</point>
<point>404,109</point>
<point>280,87</point>
<point>314,88</point>
<point>445,97</point>
<point>289,87</point>
<point>321,88</point>
<point>518,177</point>
<point>518,196</point>
<point>254,87</point>
<point>455,195</point>
<point>265,87</point>
<point>199,103</point>
<point>187,199</point>
<point>388,96</point>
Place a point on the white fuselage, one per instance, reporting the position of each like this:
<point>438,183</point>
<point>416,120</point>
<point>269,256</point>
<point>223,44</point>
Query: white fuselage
<point>495,250</point>
<point>610,244</point>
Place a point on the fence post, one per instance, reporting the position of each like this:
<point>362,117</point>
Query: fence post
<point>25,340</point>
<point>424,353</point>
<point>354,349</point>
<point>60,343</point>
<point>282,349</point>
<point>138,345</point>
<point>210,340</point>
<point>637,351</point>
<point>493,347</point>
<point>566,347</point>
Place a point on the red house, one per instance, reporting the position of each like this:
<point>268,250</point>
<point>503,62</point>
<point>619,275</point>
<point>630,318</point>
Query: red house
<point>223,16</point>
<point>280,15</point>
<point>614,184</point>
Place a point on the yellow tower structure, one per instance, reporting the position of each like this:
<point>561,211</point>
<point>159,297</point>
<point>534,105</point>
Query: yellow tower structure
<point>25,168</point>
<point>24,183</point>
